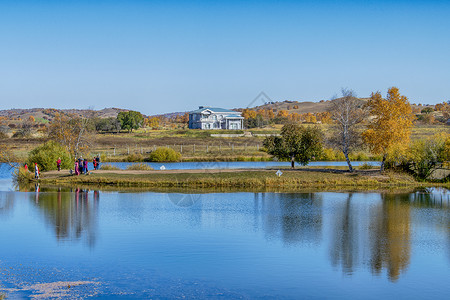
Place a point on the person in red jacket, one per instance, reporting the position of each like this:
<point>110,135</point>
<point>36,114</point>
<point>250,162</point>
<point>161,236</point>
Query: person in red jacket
<point>58,164</point>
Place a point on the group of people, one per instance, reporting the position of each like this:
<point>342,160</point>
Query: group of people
<point>36,170</point>
<point>81,165</point>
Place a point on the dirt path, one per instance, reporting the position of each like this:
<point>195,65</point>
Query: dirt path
<point>213,171</point>
<point>140,172</point>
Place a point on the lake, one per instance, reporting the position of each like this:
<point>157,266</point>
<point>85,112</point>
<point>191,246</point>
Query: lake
<point>79,243</point>
<point>226,245</point>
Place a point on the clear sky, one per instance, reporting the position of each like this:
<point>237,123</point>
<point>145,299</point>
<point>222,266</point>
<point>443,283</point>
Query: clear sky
<point>165,56</point>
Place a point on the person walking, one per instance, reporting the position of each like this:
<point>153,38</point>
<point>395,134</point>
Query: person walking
<point>94,163</point>
<point>36,171</point>
<point>85,166</point>
<point>77,168</point>
<point>58,164</point>
<point>97,159</point>
<point>80,165</point>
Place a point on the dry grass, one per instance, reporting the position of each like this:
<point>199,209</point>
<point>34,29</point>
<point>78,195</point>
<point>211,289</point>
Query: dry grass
<point>108,167</point>
<point>245,179</point>
<point>140,167</point>
<point>120,147</point>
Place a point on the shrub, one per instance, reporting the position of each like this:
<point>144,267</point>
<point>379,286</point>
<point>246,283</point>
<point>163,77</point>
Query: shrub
<point>424,157</point>
<point>164,154</point>
<point>109,167</point>
<point>359,156</point>
<point>22,176</point>
<point>135,157</point>
<point>329,154</point>
<point>365,166</point>
<point>140,167</point>
<point>46,156</point>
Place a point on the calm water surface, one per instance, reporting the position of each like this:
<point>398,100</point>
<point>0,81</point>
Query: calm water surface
<point>223,245</point>
<point>226,245</point>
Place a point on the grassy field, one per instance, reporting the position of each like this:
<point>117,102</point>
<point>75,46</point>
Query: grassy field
<point>290,180</point>
<point>194,145</point>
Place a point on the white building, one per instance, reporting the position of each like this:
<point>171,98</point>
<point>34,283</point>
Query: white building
<point>215,118</point>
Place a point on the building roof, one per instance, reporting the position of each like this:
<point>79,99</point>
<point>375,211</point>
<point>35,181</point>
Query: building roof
<point>213,109</point>
<point>234,117</point>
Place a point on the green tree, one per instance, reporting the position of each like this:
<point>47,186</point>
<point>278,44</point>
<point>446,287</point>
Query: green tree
<point>427,110</point>
<point>297,143</point>
<point>424,157</point>
<point>130,120</point>
<point>46,156</point>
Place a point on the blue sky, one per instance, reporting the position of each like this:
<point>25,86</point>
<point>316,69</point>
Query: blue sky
<point>164,56</point>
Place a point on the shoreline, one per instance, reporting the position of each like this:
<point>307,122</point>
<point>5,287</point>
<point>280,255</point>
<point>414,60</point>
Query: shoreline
<point>257,179</point>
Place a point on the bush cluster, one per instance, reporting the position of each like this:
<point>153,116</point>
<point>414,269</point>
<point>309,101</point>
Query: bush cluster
<point>134,157</point>
<point>140,167</point>
<point>109,167</point>
<point>165,154</point>
<point>46,156</point>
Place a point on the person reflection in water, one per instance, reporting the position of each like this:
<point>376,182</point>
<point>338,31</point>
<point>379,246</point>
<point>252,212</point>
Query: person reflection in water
<point>36,191</point>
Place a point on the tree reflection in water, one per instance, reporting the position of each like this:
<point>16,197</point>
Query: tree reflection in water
<point>6,204</point>
<point>391,235</point>
<point>72,213</point>
<point>295,218</point>
<point>344,239</point>
<point>370,233</point>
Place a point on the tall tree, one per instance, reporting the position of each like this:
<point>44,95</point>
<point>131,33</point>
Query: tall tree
<point>130,120</point>
<point>72,132</point>
<point>391,123</point>
<point>297,143</point>
<point>347,114</point>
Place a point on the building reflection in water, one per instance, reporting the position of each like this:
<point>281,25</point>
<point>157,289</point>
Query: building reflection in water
<point>72,213</point>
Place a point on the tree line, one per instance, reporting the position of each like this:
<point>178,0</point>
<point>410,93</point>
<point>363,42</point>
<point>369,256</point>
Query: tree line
<point>387,134</point>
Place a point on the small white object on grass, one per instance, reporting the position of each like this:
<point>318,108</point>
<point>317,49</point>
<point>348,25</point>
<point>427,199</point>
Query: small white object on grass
<point>279,173</point>
<point>162,168</point>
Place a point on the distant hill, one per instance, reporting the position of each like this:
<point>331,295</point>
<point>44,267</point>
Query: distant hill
<point>298,107</point>
<point>302,107</point>
<point>49,113</point>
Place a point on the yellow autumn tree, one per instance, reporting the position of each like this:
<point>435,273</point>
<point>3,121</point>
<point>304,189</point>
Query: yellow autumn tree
<point>283,114</point>
<point>390,126</point>
<point>248,113</point>
<point>152,122</point>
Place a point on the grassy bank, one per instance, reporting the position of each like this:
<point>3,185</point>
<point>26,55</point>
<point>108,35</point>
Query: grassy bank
<point>291,180</point>
<point>194,145</point>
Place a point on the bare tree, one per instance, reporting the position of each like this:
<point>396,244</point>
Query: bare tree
<point>347,112</point>
<point>7,155</point>
<point>73,132</point>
